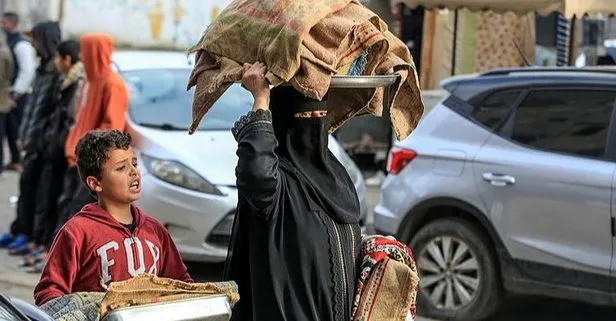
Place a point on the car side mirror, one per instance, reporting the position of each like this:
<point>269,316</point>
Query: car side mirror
<point>214,308</point>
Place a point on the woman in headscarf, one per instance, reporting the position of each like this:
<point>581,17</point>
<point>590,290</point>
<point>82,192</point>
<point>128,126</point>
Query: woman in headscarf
<point>296,238</point>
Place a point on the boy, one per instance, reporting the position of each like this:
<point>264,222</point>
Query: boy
<point>111,240</point>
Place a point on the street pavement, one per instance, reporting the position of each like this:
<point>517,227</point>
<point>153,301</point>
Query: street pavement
<point>15,282</point>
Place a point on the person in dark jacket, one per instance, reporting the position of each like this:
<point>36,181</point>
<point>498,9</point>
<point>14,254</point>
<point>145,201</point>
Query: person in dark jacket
<point>296,239</point>
<point>55,131</point>
<point>45,36</point>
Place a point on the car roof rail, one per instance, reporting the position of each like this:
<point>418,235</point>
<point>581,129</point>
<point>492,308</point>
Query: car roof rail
<point>508,71</point>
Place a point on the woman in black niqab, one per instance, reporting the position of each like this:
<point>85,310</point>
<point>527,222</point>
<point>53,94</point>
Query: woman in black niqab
<point>296,238</point>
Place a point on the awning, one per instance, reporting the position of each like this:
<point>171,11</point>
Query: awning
<point>567,7</point>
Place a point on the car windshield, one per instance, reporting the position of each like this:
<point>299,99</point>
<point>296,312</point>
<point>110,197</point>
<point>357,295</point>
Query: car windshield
<point>158,98</point>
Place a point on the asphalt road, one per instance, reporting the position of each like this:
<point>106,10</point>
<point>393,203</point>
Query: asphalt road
<point>15,282</point>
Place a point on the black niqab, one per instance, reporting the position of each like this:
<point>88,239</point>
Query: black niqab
<point>296,241</point>
<point>303,143</point>
<point>48,36</point>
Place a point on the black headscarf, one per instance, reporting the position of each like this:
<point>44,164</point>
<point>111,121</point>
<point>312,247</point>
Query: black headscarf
<point>49,36</point>
<point>303,144</point>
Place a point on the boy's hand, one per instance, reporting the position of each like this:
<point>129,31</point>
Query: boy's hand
<point>254,81</point>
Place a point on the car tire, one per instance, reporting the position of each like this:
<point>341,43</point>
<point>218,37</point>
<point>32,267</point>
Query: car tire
<point>438,299</point>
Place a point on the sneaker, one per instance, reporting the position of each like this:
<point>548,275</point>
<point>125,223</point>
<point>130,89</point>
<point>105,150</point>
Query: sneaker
<point>19,242</point>
<point>16,167</point>
<point>20,250</point>
<point>6,239</point>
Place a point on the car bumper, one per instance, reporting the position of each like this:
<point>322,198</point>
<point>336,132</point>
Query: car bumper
<point>189,216</point>
<point>393,202</point>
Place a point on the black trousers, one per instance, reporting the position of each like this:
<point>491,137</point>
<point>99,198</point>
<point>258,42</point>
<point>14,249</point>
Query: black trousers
<point>13,121</point>
<point>28,189</point>
<point>49,192</point>
<point>75,195</point>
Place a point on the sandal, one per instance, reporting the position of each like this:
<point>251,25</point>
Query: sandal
<point>31,258</point>
<point>37,268</point>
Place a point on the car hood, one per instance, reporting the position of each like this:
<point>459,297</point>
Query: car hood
<point>211,154</point>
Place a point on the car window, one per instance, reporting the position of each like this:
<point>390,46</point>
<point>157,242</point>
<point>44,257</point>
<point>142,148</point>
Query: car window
<point>571,121</point>
<point>493,110</point>
<point>159,98</point>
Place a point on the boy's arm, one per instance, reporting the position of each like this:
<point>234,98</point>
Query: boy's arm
<point>60,270</point>
<point>173,267</point>
<point>114,106</point>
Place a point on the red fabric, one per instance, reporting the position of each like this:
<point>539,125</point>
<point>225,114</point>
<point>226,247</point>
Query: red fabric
<point>377,249</point>
<point>92,249</point>
<point>103,98</point>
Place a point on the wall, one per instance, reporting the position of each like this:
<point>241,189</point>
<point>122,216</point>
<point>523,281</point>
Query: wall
<point>142,23</point>
<point>31,11</point>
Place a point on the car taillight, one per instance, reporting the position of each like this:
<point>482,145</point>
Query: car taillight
<point>398,159</point>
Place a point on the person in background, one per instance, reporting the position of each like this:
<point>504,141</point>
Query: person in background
<point>6,76</point>
<point>45,36</point>
<point>102,103</point>
<point>24,71</point>
<point>55,131</point>
<point>110,240</point>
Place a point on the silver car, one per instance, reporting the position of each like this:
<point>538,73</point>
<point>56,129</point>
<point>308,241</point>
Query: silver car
<point>189,180</point>
<point>507,185</point>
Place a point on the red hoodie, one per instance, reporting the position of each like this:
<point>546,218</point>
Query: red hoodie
<point>92,249</point>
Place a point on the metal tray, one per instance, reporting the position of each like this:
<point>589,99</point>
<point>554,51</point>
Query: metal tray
<point>363,81</point>
<point>339,81</point>
<point>214,308</point>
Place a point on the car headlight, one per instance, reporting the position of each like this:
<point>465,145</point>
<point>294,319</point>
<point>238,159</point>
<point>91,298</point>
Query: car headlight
<point>178,174</point>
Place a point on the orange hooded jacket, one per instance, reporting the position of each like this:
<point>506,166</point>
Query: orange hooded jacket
<point>103,97</point>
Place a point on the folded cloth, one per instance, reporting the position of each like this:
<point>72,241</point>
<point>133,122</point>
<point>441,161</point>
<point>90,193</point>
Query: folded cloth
<point>317,49</point>
<point>148,288</point>
<point>80,306</point>
<point>388,281</point>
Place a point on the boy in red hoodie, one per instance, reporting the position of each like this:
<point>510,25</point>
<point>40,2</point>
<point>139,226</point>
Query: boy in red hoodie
<point>111,240</point>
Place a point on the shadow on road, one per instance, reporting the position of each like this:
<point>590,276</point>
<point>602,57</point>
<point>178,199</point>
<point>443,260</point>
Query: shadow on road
<point>542,309</point>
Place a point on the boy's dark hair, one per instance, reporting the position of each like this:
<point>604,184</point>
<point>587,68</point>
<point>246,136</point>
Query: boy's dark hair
<point>13,17</point>
<point>69,48</point>
<point>93,150</point>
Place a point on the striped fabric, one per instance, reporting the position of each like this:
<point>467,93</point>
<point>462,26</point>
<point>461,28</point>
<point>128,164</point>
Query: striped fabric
<point>562,41</point>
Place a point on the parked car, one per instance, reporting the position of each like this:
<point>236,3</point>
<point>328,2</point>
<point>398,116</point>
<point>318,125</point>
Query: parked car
<point>507,186</point>
<point>188,181</point>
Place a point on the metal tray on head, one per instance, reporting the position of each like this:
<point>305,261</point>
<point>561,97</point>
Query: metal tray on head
<point>363,81</point>
<point>376,81</point>
<point>213,308</point>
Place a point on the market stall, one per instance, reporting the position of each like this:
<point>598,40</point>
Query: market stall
<point>477,35</point>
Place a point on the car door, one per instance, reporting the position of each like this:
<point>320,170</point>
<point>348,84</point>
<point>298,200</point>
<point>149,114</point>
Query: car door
<point>546,181</point>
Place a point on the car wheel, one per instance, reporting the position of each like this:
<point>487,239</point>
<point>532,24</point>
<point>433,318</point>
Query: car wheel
<point>459,277</point>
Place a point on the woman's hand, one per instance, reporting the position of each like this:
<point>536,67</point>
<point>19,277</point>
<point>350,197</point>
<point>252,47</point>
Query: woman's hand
<point>254,81</point>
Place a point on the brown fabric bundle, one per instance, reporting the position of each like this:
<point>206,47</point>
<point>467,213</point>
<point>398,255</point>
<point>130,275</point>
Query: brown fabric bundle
<point>392,286</point>
<point>148,288</point>
<point>330,46</point>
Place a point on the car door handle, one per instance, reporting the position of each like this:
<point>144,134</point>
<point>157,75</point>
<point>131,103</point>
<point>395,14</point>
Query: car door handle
<point>498,179</point>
